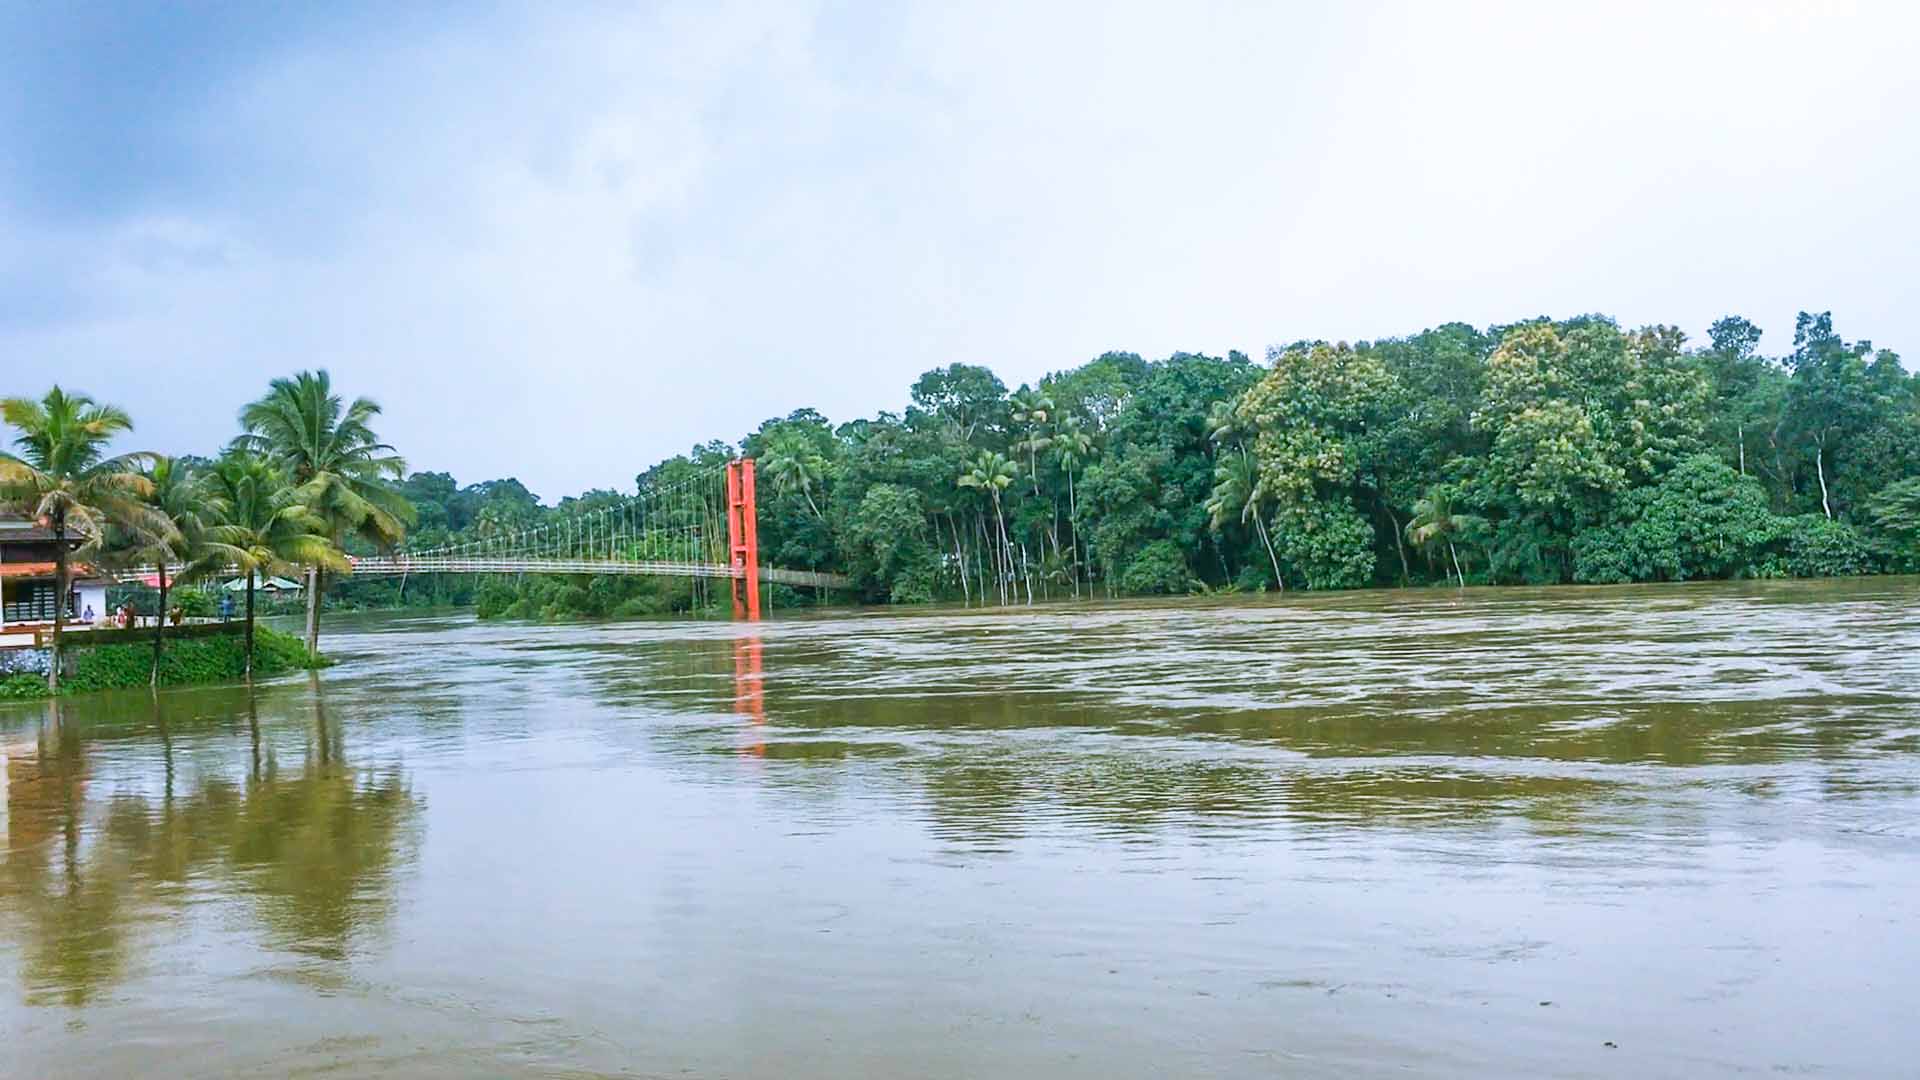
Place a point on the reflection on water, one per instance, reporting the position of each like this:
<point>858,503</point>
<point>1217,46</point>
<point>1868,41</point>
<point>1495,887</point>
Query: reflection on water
<point>1570,832</point>
<point>97,859</point>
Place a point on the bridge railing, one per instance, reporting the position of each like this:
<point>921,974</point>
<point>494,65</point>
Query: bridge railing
<point>391,565</point>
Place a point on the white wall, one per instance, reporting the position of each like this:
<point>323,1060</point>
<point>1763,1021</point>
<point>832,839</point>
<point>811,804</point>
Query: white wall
<point>94,595</point>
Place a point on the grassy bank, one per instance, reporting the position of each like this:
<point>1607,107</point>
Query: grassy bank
<point>187,662</point>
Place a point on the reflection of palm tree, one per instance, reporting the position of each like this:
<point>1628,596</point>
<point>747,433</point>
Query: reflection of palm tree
<point>70,901</point>
<point>315,852</point>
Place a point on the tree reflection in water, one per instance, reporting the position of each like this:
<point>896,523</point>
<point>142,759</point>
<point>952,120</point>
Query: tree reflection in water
<point>314,851</point>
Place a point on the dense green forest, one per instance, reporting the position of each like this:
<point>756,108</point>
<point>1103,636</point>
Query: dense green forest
<point>1535,453</point>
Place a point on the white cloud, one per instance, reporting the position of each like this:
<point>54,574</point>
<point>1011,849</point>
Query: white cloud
<point>565,248</point>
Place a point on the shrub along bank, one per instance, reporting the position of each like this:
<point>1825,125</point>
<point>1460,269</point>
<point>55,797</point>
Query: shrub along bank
<point>186,662</point>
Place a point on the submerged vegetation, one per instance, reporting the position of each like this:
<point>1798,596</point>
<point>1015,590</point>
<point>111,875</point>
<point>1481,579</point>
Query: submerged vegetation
<point>192,661</point>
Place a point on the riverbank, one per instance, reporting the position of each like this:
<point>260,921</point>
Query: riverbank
<point>187,661</point>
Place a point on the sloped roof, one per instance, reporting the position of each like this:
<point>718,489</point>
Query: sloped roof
<point>21,529</point>
<point>30,570</point>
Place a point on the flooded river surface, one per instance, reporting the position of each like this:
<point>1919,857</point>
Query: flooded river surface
<point>1661,831</point>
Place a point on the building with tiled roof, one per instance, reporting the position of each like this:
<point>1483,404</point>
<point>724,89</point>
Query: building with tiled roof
<point>29,585</point>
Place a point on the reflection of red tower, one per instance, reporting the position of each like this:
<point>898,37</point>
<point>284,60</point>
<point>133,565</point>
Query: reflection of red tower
<point>743,539</point>
<point>749,696</point>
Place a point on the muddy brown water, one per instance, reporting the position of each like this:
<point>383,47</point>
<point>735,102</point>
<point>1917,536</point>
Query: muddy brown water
<point>1661,831</point>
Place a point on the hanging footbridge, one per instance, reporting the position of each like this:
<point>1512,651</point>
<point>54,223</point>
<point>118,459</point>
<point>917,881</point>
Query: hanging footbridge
<point>705,526</point>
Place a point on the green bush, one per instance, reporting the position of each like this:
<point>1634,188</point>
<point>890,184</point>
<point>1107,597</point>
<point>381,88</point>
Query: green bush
<point>1702,520</point>
<point>493,600</point>
<point>187,661</point>
<point>1327,542</point>
<point>1159,568</point>
<point>1817,547</point>
<point>195,603</point>
<point>918,583</point>
<point>23,687</point>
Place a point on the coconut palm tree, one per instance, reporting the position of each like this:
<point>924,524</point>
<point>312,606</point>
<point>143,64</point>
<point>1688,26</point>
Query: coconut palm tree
<point>1435,519</point>
<point>793,463</point>
<point>993,472</point>
<point>264,527</point>
<point>1239,493</point>
<point>182,497</point>
<point>339,468</point>
<point>63,476</point>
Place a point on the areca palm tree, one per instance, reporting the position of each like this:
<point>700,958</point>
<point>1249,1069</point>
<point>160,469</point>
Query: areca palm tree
<point>340,470</point>
<point>1032,408</point>
<point>794,464</point>
<point>1240,493</point>
<point>264,527</point>
<point>1072,447</point>
<point>993,472</point>
<point>63,476</point>
<point>1435,519</point>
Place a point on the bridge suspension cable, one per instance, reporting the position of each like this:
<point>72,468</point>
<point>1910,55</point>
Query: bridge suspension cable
<point>700,527</point>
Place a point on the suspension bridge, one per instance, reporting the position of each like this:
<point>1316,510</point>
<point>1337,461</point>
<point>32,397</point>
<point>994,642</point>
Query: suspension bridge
<point>702,527</point>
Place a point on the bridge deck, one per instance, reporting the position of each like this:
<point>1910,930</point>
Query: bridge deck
<point>457,564</point>
<point>390,565</point>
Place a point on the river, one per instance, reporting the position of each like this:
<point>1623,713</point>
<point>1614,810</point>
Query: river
<point>1638,831</point>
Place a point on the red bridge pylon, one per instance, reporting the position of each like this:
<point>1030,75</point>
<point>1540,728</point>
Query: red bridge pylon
<point>743,538</point>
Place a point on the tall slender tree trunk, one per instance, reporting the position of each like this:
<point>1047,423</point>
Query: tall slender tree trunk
<point>313,610</point>
<point>1820,468</point>
<point>959,559</point>
<point>160,626</point>
<point>1451,550</point>
<point>62,585</point>
<point>1260,524</point>
<point>979,555</point>
<point>1399,545</point>
<point>1741,429</point>
<point>1006,545</point>
<point>250,627</point>
<point>1026,571</point>
<point>1073,525</point>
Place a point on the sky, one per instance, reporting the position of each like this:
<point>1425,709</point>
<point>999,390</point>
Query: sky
<point>561,241</point>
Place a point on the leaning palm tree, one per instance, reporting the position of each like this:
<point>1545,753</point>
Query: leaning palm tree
<point>1435,519</point>
<point>62,476</point>
<point>1240,493</point>
<point>339,468</point>
<point>794,464</point>
<point>264,527</point>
